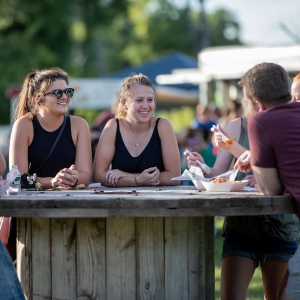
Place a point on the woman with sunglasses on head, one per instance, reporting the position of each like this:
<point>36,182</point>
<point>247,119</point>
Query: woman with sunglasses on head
<point>41,113</point>
<point>141,149</point>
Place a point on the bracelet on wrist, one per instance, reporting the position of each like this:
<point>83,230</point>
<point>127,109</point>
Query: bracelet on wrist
<point>135,181</point>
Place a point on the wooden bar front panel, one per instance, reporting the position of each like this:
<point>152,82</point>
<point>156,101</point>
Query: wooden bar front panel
<point>117,258</point>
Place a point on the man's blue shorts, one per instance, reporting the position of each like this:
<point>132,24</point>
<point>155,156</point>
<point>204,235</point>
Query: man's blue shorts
<point>258,247</point>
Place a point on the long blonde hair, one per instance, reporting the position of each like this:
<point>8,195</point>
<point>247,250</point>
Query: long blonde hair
<point>127,84</point>
<point>34,85</point>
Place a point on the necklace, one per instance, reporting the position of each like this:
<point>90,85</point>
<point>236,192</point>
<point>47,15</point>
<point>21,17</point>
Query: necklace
<point>136,142</point>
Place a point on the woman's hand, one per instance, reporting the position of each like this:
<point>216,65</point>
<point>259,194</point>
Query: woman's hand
<point>218,137</point>
<point>243,162</point>
<point>252,181</point>
<point>149,177</point>
<point>66,177</point>
<point>112,176</point>
<point>192,158</point>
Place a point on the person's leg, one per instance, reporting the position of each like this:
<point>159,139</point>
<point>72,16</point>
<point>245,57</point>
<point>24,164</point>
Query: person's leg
<point>273,274</point>
<point>238,264</point>
<point>10,287</point>
<point>274,255</point>
<point>236,274</point>
<point>283,284</point>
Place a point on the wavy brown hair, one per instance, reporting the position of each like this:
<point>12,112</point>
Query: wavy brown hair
<point>125,91</point>
<point>35,85</point>
<point>268,83</point>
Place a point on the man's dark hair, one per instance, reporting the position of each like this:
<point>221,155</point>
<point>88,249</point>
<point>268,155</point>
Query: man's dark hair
<point>268,83</point>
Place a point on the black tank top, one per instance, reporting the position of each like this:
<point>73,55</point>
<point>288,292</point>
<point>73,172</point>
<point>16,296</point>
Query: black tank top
<point>63,156</point>
<point>150,157</point>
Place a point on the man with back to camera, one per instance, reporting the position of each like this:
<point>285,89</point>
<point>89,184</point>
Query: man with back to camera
<point>10,287</point>
<point>274,142</point>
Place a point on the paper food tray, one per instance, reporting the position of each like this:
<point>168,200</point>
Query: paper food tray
<point>196,176</point>
<point>203,183</point>
<point>230,186</point>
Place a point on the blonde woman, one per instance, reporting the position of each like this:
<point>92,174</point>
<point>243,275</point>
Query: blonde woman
<point>141,149</point>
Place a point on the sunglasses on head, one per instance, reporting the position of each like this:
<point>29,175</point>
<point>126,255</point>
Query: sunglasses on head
<point>59,93</point>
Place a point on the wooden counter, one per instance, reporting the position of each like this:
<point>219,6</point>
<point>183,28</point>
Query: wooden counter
<point>146,243</point>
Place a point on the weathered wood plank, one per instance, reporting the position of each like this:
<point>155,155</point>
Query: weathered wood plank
<point>120,259</point>
<point>41,259</point>
<point>206,252</point>
<point>63,242</point>
<point>194,271</point>
<point>150,258</point>
<point>176,260</point>
<point>160,212</point>
<point>150,202</point>
<point>91,260</point>
<point>24,255</point>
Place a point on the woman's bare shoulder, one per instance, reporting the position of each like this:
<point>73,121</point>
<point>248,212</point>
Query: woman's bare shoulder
<point>23,123</point>
<point>233,124</point>
<point>234,127</point>
<point>112,123</point>
<point>78,121</point>
<point>163,123</point>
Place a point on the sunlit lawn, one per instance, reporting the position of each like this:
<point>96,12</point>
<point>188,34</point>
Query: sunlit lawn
<point>255,291</point>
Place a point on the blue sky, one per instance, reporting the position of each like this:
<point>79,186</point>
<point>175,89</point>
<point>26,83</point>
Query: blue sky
<point>260,19</point>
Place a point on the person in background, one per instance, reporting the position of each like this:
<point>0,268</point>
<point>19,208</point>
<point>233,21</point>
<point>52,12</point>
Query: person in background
<point>193,140</point>
<point>10,287</point>
<point>235,111</point>
<point>141,149</point>
<point>100,122</point>
<point>269,240</point>
<point>295,89</point>
<point>40,112</point>
<point>204,121</point>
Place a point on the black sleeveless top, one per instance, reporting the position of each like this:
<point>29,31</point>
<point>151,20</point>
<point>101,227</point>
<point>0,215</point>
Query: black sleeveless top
<point>63,156</point>
<point>150,157</point>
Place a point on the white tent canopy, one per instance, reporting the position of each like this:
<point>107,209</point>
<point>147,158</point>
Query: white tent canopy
<point>232,62</point>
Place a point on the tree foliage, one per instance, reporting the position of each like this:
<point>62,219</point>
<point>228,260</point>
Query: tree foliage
<point>92,38</point>
<point>43,34</point>
<point>155,27</point>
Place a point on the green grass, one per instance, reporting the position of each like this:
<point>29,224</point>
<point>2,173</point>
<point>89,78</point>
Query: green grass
<point>255,290</point>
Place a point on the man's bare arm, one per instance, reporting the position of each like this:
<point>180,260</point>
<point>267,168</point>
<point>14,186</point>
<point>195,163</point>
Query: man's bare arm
<point>268,180</point>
